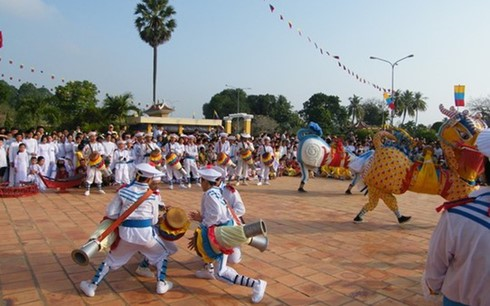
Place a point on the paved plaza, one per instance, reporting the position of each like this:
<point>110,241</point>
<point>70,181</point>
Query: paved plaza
<point>316,256</point>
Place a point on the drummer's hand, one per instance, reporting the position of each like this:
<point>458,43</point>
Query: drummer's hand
<point>195,216</point>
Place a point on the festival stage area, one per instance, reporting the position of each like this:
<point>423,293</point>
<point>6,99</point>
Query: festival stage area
<point>316,255</point>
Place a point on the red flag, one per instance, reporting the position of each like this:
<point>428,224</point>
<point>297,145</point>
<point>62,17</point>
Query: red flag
<point>1,39</point>
<point>272,8</point>
<point>391,105</point>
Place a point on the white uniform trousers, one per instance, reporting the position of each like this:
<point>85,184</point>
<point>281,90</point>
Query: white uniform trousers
<point>121,175</point>
<point>190,166</point>
<point>94,175</point>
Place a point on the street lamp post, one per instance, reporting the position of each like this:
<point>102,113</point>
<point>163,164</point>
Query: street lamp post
<point>238,101</point>
<point>392,78</point>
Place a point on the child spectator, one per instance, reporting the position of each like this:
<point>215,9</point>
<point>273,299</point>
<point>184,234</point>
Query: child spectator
<point>21,165</point>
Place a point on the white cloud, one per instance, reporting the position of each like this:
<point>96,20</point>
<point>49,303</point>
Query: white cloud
<point>28,9</point>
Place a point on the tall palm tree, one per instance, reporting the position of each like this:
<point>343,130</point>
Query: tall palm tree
<point>116,108</point>
<point>419,105</point>
<point>355,109</point>
<point>155,26</point>
<point>405,105</point>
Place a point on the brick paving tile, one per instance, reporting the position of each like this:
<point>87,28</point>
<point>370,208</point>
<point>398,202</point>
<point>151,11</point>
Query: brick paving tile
<point>316,254</point>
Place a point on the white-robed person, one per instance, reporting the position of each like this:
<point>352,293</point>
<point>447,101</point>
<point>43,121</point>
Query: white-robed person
<point>121,158</point>
<point>264,169</point>
<point>137,233</point>
<point>94,174</point>
<point>21,165</point>
<point>191,154</point>
<point>214,212</point>
<point>147,147</point>
<point>245,145</point>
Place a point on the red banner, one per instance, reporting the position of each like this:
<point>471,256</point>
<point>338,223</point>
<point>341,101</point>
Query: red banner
<point>1,39</point>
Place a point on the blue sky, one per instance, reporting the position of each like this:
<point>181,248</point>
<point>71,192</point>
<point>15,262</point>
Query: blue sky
<point>243,44</point>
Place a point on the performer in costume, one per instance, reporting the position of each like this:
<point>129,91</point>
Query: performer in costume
<point>136,233</point>
<point>245,150</point>
<point>173,147</point>
<point>93,152</point>
<point>147,147</point>
<point>458,261</point>
<point>234,199</point>
<point>214,213</point>
<point>266,160</point>
<point>191,154</point>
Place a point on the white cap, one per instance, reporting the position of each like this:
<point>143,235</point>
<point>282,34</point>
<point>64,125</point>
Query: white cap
<point>245,135</point>
<point>148,171</point>
<point>267,138</point>
<point>223,135</point>
<point>231,137</point>
<point>211,174</point>
<point>139,134</point>
<point>92,134</point>
<point>191,136</point>
<point>183,136</point>
<point>483,142</point>
<point>121,141</point>
<point>173,135</point>
<point>149,135</point>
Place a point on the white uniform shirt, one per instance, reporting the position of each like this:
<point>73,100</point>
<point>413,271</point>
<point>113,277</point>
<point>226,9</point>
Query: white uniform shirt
<point>31,146</point>
<point>93,147</point>
<point>263,148</point>
<point>109,148</point>
<point>191,150</point>
<point>124,198</point>
<point>458,262</point>
<point>213,208</point>
<point>3,157</point>
<point>233,198</point>
<point>223,147</point>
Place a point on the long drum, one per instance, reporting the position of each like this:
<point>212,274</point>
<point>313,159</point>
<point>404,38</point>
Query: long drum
<point>82,255</point>
<point>267,158</point>
<point>173,161</point>
<point>246,156</point>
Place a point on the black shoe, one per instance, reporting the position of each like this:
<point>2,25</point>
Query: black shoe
<point>357,219</point>
<point>348,191</point>
<point>300,189</point>
<point>404,219</point>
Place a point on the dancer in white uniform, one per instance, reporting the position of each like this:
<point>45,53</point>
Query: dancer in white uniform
<point>136,232</point>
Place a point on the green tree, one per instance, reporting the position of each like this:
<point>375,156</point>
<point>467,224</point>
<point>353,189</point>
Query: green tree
<point>419,104</point>
<point>117,108</point>
<point>225,103</point>
<point>34,107</point>
<point>264,124</point>
<point>405,105</point>
<point>155,26</point>
<point>355,109</point>
<point>375,112</point>
<point>481,105</point>
<point>326,111</point>
<point>8,93</point>
<point>77,102</point>
<point>277,108</point>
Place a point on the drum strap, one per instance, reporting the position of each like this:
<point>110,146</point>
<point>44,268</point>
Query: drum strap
<point>232,211</point>
<point>124,215</point>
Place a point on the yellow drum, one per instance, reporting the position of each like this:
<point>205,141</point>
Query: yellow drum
<point>223,159</point>
<point>267,158</point>
<point>174,223</point>
<point>246,156</point>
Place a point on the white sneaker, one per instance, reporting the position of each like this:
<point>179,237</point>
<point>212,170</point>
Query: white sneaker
<point>183,186</point>
<point>101,191</point>
<point>88,288</point>
<point>144,271</point>
<point>237,183</point>
<point>87,193</point>
<point>259,183</point>
<point>198,184</point>
<point>164,286</point>
<point>205,274</point>
<point>258,291</point>
<point>267,183</point>
<point>189,185</point>
<point>171,187</point>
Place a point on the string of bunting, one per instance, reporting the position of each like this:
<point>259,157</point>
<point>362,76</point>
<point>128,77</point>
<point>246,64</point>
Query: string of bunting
<point>22,67</point>
<point>325,52</point>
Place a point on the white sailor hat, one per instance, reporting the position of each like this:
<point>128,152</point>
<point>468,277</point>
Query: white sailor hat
<point>211,174</point>
<point>146,170</point>
<point>231,137</point>
<point>183,136</point>
<point>223,135</point>
<point>191,136</point>
<point>245,135</point>
<point>173,135</point>
<point>92,134</point>
<point>267,138</point>
<point>139,134</point>
<point>120,141</point>
<point>149,135</point>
